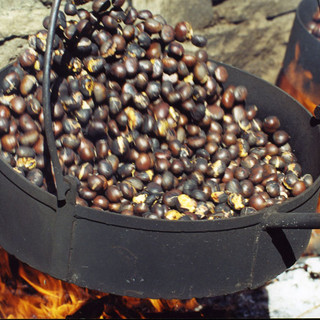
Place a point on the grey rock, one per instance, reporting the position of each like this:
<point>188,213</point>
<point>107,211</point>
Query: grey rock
<point>239,11</point>
<point>10,50</point>
<point>198,12</point>
<point>21,23</point>
<point>18,19</point>
<point>18,4</point>
<point>251,35</point>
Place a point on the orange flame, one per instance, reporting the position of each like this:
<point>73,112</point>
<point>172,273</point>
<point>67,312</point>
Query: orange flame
<point>31,294</point>
<point>174,304</point>
<point>26,293</point>
<point>299,83</point>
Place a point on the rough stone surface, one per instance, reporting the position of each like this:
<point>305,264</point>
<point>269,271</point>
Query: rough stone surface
<point>18,19</point>
<point>198,12</point>
<point>251,35</point>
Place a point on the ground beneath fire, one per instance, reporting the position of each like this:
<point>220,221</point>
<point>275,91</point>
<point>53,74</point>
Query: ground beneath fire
<point>251,35</point>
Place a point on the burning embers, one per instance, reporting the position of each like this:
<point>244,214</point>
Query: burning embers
<point>299,82</point>
<point>300,73</point>
<point>29,294</point>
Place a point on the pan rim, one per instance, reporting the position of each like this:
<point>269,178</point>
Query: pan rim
<point>135,222</point>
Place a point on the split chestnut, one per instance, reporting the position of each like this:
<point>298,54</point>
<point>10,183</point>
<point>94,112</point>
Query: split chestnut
<point>144,127</point>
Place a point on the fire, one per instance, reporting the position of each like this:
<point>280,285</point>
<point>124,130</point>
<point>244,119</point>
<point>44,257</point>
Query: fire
<point>299,83</point>
<point>174,304</point>
<point>26,293</point>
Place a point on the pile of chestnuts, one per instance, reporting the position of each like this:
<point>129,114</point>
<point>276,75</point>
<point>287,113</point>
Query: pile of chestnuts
<point>145,127</point>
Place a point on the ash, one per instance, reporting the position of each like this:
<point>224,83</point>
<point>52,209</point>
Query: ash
<point>296,292</point>
<point>293,294</point>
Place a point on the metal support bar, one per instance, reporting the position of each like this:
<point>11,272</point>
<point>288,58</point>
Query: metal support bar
<point>291,220</point>
<point>61,186</point>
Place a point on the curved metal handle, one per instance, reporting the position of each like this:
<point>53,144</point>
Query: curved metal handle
<point>61,186</point>
<point>291,220</point>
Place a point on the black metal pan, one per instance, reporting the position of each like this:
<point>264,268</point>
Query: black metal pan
<point>309,45</point>
<point>139,257</point>
<point>169,259</point>
<point>300,74</point>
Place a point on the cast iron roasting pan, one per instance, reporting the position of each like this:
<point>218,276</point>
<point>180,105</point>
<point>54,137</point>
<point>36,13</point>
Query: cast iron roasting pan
<point>138,257</point>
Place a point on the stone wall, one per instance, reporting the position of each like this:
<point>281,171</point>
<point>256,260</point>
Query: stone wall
<point>248,34</point>
<point>198,12</point>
